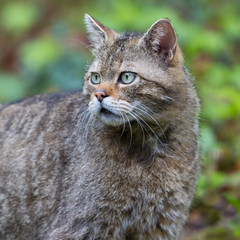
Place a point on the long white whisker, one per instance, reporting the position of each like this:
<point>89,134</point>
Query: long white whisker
<point>150,129</point>
<point>151,117</point>
<point>89,123</point>
<point>130,127</point>
<point>172,99</point>
<point>123,124</point>
<point>141,125</point>
<point>85,115</point>
<point>83,43</point>
<point>87,127</point>
<point>76,100</point>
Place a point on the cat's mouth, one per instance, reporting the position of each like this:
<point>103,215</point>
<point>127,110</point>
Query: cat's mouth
<point>106,112</point>
<point>110,118</point>
<point>109,111</point>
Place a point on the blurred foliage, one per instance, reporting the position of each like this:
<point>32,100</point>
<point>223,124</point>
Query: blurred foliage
<point>43,49</point>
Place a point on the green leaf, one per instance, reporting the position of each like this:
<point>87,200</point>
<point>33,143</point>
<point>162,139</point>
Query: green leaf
<point>11,88</point>
<point>233,200</point>
<point>220,103</point>
<point>235,226</point>
<point>18,17</point>
<point>208,139</point>
<point>39,53</point>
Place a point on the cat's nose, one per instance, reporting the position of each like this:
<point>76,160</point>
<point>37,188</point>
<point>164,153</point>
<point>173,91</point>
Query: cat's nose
<point>100,94</point>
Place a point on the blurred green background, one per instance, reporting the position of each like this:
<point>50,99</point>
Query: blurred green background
<point>43,49</point>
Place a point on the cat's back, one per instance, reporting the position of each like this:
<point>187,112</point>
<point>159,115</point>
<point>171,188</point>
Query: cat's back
<point>33,132</point>
<point>34,115</point>
<point>40,104</point>
<point>38,124</point>
<point>38,119</point>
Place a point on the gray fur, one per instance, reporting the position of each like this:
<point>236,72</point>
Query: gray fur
<point>67,171</point>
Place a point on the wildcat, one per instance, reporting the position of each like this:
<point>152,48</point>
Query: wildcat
<point>116,161</point>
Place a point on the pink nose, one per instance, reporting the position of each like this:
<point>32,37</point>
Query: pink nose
<point>100,94</point>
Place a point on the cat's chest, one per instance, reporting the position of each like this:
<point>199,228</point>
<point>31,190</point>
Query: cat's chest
<point>120,177</point>
<point>115,165</point>
<point>117,172</point>
<point>111,183</point>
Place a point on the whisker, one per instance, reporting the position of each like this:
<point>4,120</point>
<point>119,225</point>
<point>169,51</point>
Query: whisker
<point>130,127</point>
<point>83,44</point>
<point>150,129</point>
<point>86,129</point>
<point>123,124</point>
<point>146,108</point>
<point>75,100</point>
<point>89,126</point>
<point>85,115</point>
<point>141,125</point>
<point>151,117</point>
<point>172,99</point>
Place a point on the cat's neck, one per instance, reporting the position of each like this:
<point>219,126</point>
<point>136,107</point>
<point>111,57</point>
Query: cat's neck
<point>141,142</point>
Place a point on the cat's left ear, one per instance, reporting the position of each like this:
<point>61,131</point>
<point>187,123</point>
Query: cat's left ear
<point>99,34</point>
<point>161,38</point>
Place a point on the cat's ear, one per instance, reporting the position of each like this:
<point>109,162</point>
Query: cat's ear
<point>99,34</point>
<point>161,38</point>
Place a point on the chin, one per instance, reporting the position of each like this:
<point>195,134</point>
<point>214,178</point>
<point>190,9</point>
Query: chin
<point>111,119</point>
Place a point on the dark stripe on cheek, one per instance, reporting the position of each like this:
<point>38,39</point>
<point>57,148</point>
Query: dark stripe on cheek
<point>159,85</point>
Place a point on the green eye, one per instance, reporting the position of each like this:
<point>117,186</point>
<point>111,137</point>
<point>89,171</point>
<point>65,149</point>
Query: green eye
<point>95,78</point>
<point>127,77</point>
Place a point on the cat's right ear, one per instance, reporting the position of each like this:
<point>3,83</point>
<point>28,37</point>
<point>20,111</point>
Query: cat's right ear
<point>99,34</point>
<point>161,39</point>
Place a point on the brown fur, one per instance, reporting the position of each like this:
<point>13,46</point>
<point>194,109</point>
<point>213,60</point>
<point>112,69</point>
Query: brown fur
<point>72,167</point>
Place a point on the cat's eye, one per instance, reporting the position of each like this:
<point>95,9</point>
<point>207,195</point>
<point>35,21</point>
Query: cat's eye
<point>127,77</point>
<point>95,78</point>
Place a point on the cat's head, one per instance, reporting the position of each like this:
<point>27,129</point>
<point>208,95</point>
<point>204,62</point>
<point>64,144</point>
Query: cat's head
<point>134,77</point>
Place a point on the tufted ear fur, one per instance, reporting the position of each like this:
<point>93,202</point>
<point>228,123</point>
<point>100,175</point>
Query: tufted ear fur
<point>161,38</point>
<point>99,34</point>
